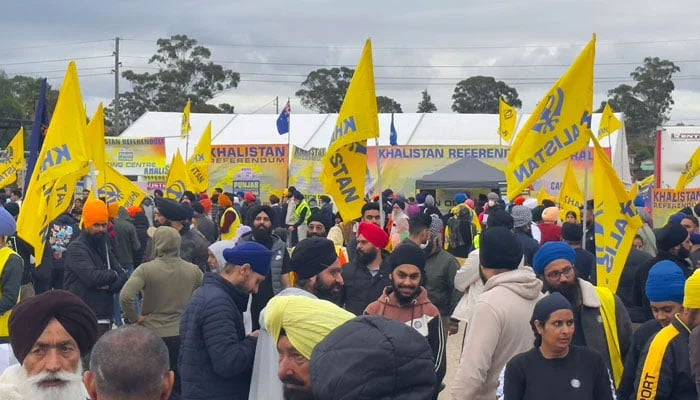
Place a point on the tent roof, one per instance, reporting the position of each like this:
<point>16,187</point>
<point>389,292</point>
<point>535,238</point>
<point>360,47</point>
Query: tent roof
<point>466,173</point>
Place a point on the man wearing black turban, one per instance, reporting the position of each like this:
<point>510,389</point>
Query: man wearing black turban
<point>48,334</point>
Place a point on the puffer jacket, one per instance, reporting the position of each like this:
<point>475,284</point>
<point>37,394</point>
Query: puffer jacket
<point>88,276</point>
<point>216,357</point>
<point>360,287</point>
<point>194,248</point>
<point>387,371</point>
<point>498,329</point>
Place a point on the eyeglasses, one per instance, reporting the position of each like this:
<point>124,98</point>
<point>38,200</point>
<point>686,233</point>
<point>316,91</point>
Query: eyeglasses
<point>556,275</point>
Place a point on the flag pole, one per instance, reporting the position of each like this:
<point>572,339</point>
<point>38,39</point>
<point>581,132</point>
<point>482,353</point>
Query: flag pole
<point>93,178</point>
<point>289,143</point>
<point>379,183</point>
<point>585,193</point>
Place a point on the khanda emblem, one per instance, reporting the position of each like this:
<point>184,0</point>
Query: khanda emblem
<point>6,156</point>
<point>549,118</point>
<point>176,190</point>
<point>686,168</point>
<point>111,193</point>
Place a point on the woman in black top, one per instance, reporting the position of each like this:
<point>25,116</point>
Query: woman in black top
<point>555,369</point>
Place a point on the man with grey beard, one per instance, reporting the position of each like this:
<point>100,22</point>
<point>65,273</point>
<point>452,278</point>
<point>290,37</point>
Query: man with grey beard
<point>48,334</point>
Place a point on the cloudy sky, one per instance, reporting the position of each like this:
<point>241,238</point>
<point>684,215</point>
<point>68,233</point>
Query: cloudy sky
<point>417,44</point>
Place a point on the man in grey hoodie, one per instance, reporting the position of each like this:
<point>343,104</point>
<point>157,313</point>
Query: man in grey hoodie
<point>499,327</point>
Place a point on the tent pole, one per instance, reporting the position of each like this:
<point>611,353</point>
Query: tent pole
<point>379,182</point>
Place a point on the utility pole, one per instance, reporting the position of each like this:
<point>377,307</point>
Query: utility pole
<point>116,86</point>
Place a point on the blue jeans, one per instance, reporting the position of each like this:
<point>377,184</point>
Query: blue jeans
<point>117,307</point>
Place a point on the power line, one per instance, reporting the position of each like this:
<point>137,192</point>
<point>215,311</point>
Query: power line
<point>53,71</point>
<point>55,60</point>
<point>55,45</point>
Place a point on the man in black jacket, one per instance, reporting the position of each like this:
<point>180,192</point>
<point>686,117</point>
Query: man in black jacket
<point>92,270</point>
<point>194,246</point>
<point>366,277</point>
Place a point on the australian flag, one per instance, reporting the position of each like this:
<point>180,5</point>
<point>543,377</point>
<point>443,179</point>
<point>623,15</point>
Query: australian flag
<point>36,139</point>
<point>283,119</point>
<point>393,136</point>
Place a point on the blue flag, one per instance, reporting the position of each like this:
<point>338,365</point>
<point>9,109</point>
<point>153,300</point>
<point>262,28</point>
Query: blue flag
<point>36,138</point>
<point>393,136</point>
<point>283,119</point>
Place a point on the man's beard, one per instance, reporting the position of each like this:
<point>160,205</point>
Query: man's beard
<point>568,290</point>
<point>324,292</point>
<point>296,394</point>
<point>683,253</point>
<point>366,258</point>
<point>72,388</point>
<point>262,235</point>
<point>96,240</point>
<point>482,276</point>
<point>316,234</point>
<point>403,300</point>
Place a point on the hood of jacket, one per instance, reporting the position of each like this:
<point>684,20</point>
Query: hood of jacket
<point>217,249</point>
<point>123,214</point>
<point>521,281</point>
<point>166,242</point>
<point>371,357</point>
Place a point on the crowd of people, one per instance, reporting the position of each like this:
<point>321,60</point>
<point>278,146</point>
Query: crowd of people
<point>226,296</point>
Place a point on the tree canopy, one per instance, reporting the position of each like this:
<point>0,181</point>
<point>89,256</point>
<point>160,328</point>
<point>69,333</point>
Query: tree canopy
<point>388,105</point>
<point>18,97</point>
<point>426,105</point>
<point>185,71</point>
<point>480,94</point>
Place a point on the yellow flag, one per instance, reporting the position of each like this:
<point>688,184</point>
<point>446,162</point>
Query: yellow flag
<point>12,159</point>
<point>198,164</point>
<point>649,180</point>
<point>177,181</point>
<point>608,122</point>
<point>690,171</point>
<point>60,164</point>
<point>570,197</point>
<point>616,220</point>
<point>96,139</point>
<point>542,195</point>
<point>185,126</point>
<point>119,189</point>
<point>507,117</point>
<point>345,162</point>
<point>557,129</point>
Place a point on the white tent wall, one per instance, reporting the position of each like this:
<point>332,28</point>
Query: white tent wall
<point>314,130</point>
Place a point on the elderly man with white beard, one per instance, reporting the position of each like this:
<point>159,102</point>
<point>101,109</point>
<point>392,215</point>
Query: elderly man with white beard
<point>49,333</point>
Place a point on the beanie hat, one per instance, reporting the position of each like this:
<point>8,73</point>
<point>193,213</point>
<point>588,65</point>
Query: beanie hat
<point>549,304</point>
<point>499,249</point>
<point>8,225</point>
<point>670,236</point>
<point>550,214</point>
<point>571,232</point>
<point>374,234</point>
<point>530,203</point>
<point>691,298</point>
<point>95,212</point>
<point>550,252</point>
<point>460,198</point>
<point>676,218</point>
<point>252,253</point>
<point>435,226</point>
<point>113,210</point>
<point>522,216</point>
<point>665,282</point>
<point>311,256</point>
<point>408,253</point>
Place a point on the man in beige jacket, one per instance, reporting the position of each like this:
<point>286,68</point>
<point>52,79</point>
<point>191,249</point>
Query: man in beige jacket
<point>166,284</point>
<point>499,327</point>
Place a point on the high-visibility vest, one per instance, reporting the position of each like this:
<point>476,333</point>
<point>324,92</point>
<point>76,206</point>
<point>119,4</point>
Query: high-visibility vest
<point>233,229</point>
<point>301,207</point>
<point>5,254</point>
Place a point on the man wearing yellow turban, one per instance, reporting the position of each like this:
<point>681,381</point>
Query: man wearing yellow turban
<point>297,324</point>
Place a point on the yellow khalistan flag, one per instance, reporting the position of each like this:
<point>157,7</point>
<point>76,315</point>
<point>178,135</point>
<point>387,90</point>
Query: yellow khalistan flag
<point>96,140</point>
<point>185,126</point>
<point>198,164</point>
<point>542,195</point>
<point>608,122</point>
<point>345,162</point>
<point>570,197</point>
<point>12,161</point>
<point>177,181</point>
<point>690,171</point>
<point>616,220</point>
<point>116,188</point>
<point>61,163</point>
<point>557,128</point>
<point>507,117</point>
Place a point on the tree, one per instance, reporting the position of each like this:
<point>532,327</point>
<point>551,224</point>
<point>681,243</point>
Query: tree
<point>18,97</point>
<point>324,89</point>
<point>388,105</point>
<point>479,95</point>
<point>426,105</point>
<point>184,72</point>
<point>647,103</point>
